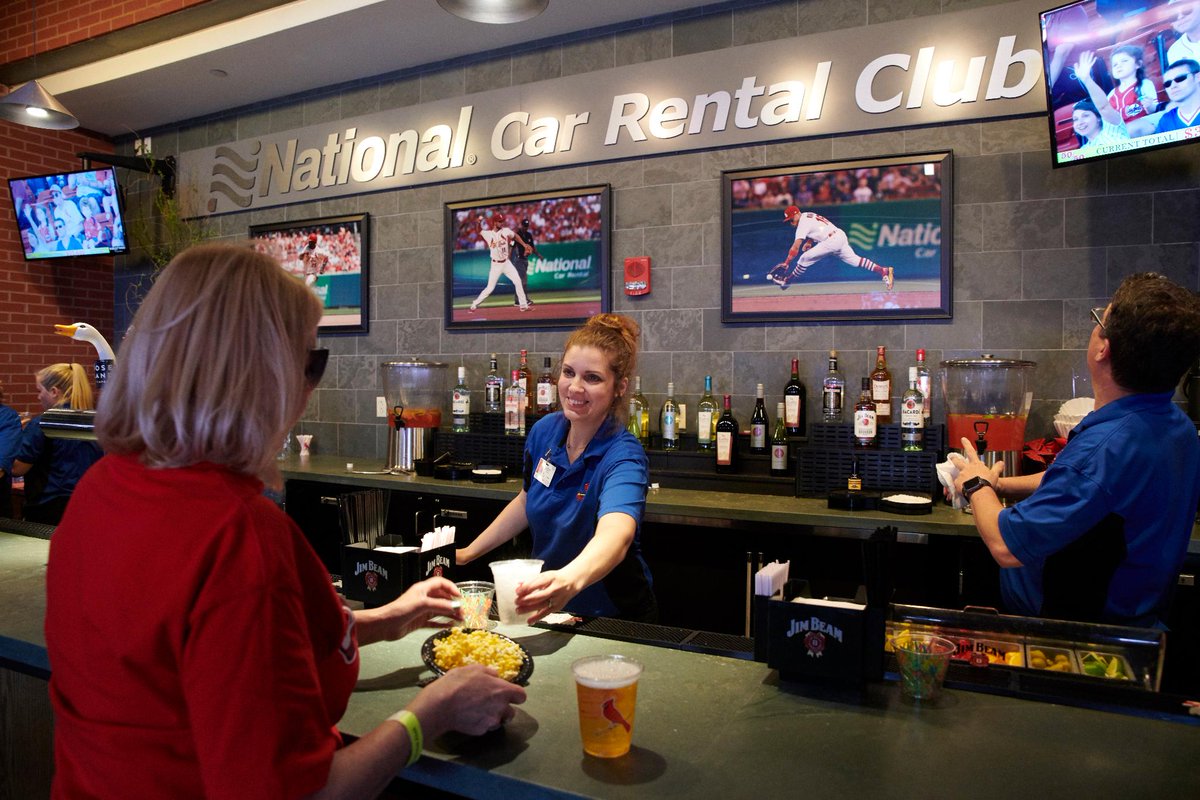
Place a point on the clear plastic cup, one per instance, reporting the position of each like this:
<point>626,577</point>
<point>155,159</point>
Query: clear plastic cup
<point>606,690</point>
<point>923,659</point>
<point>476,603</point>
<point>507,575</point>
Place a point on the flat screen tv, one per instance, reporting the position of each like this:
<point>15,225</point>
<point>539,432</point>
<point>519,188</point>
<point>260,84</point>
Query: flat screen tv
<point>69,214</point>
<point>537,260</point>
<point>1121,76</point>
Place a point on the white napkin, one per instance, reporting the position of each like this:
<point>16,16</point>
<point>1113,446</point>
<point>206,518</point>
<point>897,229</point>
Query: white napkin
<point>769,580</point>
<point>947,472</point>
<point>438,537</point>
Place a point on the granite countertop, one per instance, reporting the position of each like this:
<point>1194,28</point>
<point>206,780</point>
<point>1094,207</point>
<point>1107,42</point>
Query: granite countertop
<point>709,726</point>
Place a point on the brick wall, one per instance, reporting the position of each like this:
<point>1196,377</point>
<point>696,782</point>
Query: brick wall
<point>36,295</point>
<point>64,22</point>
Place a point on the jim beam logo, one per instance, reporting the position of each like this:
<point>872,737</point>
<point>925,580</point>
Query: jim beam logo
<point>251,168</point>
<point>371,573</point>
<point>437,566</point>
<point>816,632</point>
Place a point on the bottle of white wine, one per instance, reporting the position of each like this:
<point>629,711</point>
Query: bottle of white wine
<point>668,420</point>
<point>706,418</point>
<point>779,445</point>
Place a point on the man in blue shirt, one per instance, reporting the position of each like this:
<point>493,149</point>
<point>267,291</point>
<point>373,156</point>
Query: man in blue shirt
<point>1101,535</point>
<point>1183,90</point>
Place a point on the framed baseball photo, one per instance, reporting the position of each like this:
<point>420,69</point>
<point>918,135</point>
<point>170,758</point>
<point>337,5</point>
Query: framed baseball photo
<point>868,239</point>
<point>531,260</point>
<point>330,256</point>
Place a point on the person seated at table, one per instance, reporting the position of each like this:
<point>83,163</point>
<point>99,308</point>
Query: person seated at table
<point>53,466</point>
<point>585,488</point>
<point>199,648</point>
<point>1101,535</point>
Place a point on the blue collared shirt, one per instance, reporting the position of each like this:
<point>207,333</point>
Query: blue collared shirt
<point>610,476</point>
<point>1105,534</point>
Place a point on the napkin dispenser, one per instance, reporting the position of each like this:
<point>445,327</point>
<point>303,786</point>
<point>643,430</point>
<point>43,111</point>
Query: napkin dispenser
<point>376,576</point>
<point>814,639</point>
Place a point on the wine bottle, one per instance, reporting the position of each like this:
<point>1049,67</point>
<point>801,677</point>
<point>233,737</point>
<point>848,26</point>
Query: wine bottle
<point>526,381</point>
<point>779,445</point>
<point>547,390</point>
<point>923,385</point>
<point>460,404</point>
<point>865,419</point>
<point>881,387</point>
<point>706,418</point>
<point>758,423</point>
<point>514,406</point>
<point>912,415</point>
<point>794,402</point>
<point>667,420</point>
<point>639,406</point>
<point>833,391</point>
<point>727,432</point>
<point>493,389</point>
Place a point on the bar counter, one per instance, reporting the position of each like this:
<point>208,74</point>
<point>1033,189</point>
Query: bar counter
<point>667,504</point>
<point>709,726</point>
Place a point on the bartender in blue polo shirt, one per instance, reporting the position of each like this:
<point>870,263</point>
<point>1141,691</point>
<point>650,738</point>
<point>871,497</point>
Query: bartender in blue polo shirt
<point>1101,535</point>
<point>585,488</point>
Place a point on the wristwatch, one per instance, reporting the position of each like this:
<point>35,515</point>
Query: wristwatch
<point>973,485</point>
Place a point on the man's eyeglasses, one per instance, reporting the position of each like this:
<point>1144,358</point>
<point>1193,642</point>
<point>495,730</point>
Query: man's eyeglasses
<point>1177,79</point>
<point>1098,315</point>
<point>314,367</point>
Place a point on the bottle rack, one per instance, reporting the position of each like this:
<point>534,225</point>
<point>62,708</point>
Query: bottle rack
<point>824,463</point>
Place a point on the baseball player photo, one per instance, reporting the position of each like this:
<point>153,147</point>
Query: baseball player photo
<point>864,238</point>
<point>314,262</point>
<point>816,238</point>
<point>500,240</point>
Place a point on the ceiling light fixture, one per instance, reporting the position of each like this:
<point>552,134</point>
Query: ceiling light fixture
<point>495,12</point>
<point>30,104</point>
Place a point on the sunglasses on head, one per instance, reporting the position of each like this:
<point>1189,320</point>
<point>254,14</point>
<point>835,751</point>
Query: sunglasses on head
<point>1177,79</point>
<point>314,367</point>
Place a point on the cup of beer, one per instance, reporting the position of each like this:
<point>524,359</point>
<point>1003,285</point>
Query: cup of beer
<point>606,688</point>
<point>507,575</point>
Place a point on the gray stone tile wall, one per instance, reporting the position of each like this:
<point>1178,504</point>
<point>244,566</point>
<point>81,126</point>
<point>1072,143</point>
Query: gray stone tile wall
<point>1035,248</point>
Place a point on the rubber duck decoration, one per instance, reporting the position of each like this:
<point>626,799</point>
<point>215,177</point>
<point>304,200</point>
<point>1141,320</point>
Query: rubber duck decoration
<point>104,352</point>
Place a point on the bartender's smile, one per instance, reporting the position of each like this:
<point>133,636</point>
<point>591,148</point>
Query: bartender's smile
<point>585,385</point>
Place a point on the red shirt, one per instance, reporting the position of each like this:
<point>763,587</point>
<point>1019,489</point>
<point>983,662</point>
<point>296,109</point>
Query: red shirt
<point>197,646</point>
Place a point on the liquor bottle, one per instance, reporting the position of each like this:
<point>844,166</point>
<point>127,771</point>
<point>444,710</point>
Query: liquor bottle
<point>912,415</point>
<point>639,406</point>
<point>865,418</point>
<point>758,423</point>
<point>634,425</point>
<point>833,391</point>
<point>493,389</point>
<point>854,482</point>
<point>547,389</point>
<point>794,401</point>
<point>779,445</point>
<point>727,433</point>
<point>667,420</point>
<point>460,404</point>
<point>706,419</point>
<point>923,385</point>
<point>881,387</point>
<point>514,406</point>
<point>526,380</point>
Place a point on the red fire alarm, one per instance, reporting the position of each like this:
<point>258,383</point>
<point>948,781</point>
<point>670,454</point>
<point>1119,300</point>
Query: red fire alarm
<point>637,275</point>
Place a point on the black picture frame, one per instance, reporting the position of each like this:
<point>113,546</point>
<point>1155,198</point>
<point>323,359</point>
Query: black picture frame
<point>904,224</point>
<point>340,274</point>
<point>567,273</point>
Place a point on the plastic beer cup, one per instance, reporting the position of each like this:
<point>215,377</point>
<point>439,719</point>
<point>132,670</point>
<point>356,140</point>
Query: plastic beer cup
<point>606,688</point>
<point>507,575</point>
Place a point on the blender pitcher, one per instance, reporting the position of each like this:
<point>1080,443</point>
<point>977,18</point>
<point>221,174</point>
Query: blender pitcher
<point>415,392</point>
<point>987,402</point>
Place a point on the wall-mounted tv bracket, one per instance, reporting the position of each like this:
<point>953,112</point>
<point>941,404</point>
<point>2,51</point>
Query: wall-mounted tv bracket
<point>164,168</point>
